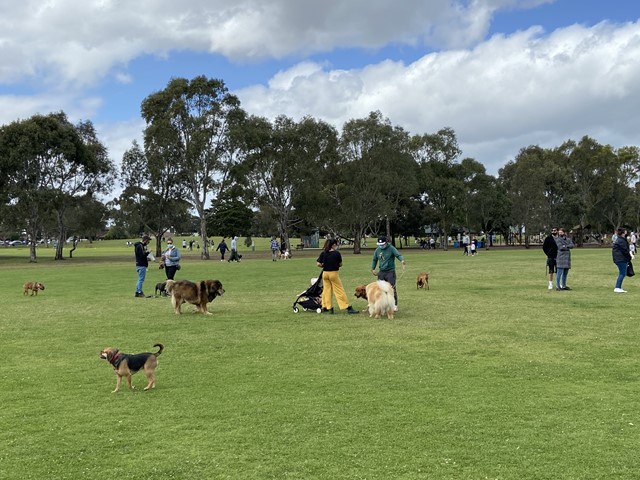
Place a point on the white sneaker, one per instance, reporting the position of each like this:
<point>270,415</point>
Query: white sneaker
<point>550,286</point>
<point>619,290</point>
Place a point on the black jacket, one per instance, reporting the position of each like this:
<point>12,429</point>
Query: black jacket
<point>141,254</point>
<point>549,247</point>
<point>620,250</point>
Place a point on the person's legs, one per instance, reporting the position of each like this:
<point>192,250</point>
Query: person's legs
<point>327,290</point>
<point>559,274</point>
<point>339,292</point>
<point>565,272</point>
<point>142,273</point>
<point>170,272</point>
<point>622,272</point>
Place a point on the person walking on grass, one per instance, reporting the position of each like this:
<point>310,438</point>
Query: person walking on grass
<point>330,260</point>
<point>621,257</point>
<point>385,258</point>
<point>550,249</point>
<point>222,247</point>
<point>274,249</point>
<point>234,250</point>
<point>563,260</point>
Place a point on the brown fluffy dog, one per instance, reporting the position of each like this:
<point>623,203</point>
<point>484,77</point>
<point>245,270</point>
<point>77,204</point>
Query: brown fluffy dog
<point>198,294</point>
<point>361,292</point>
<point>125,364</point>
<point>33,286</point>
<point>379,295</point>
<point>422,281</point>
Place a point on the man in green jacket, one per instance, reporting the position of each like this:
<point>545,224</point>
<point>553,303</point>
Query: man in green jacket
<point>385,257</point>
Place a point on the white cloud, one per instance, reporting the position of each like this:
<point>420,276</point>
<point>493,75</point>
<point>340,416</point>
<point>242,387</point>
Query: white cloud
<point>498,94</point>
<point>506,93</point>
<point>80,41</point>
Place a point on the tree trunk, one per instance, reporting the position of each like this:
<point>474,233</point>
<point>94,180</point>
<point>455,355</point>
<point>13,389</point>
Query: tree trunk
<point>445,239</point>
<point>204,255</point>
<point>61,235</point>
<point>356,242</point>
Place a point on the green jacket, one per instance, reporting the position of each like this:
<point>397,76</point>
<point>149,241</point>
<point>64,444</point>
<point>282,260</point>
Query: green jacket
<point>386,256</point>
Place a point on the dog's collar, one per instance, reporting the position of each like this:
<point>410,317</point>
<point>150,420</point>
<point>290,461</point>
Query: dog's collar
<point>116,359</point>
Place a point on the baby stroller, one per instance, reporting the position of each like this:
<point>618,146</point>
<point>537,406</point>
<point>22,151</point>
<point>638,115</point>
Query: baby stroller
<point>311,298</point>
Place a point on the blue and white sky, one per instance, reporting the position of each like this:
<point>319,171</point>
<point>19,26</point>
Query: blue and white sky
<point>504,74</point>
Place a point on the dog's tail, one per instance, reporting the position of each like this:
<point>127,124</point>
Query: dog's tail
<point>387,289</point>
<point>169,286</point>
<point>161,349</point>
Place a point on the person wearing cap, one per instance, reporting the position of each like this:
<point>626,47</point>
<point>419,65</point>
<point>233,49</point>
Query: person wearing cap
<point>142,262</point>
<point>330,260</point>
<point>385,258</point>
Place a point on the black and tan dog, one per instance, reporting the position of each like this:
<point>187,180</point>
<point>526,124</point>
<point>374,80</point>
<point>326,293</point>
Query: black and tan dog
<point>422,281</point>
<point>197,293</point>
<point>161,287</point>
<point>33,286</point>
<point>126,364</point>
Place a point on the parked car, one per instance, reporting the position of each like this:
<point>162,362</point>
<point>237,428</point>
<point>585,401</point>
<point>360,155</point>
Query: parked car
<point>15,243</point>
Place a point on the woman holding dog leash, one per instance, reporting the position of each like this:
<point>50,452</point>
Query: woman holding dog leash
<point>170,259</point>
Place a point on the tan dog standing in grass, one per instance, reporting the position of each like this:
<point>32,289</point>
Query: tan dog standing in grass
<point>422,281</point>
<point>125,364</point>
<point>33,286</point>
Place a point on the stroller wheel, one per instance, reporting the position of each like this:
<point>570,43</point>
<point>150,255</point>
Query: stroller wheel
<point>295,310</point>
<point>318,310</point>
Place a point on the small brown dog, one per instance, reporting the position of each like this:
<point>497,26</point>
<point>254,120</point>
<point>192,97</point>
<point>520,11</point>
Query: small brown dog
<point>33,286</point>
<point>125,364</point>
<point>422,281</point>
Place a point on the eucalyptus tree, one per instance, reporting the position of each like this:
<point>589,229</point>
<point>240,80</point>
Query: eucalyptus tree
<point>595,176</point>
<point>375,173</point>
<point>153,193</point>
<point>57,163</point>
<point>524,180</point>
<point>486,207</point>
<point>282,162</point>
<point>189,123</point>
<point>441,177</point>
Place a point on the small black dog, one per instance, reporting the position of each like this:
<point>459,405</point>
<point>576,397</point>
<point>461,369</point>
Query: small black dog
<point>162,288</point>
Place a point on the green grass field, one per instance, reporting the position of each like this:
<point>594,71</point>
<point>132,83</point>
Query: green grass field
<point>488,375</point>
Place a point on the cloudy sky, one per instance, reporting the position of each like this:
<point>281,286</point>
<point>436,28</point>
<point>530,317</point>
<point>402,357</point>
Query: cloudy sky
<point>504,74</point>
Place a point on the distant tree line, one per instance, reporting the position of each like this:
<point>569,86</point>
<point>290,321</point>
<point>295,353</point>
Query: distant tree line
<point>208,166</point>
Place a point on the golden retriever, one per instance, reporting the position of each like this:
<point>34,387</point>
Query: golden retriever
<point>379,295</point>
<point>196,293</point>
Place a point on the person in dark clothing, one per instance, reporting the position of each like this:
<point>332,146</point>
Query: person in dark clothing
<point>142,262</point>
<point>550,249</point>
<point>621,257</point>
<point>330,260</point>
<point>222,246</point>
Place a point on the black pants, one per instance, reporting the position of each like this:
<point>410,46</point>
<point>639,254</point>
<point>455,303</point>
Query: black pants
<point>170,271</point>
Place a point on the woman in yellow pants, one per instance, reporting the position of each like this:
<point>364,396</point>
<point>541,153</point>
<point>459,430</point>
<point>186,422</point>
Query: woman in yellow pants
<point>330,261</point>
